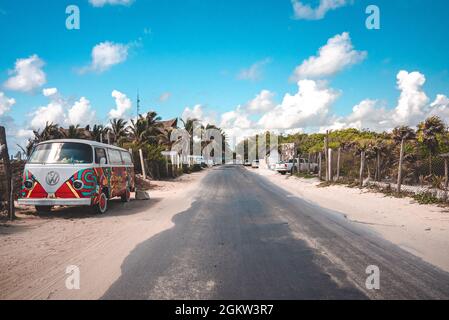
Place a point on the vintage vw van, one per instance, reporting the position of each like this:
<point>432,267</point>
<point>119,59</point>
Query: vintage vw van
<point>73,172</point>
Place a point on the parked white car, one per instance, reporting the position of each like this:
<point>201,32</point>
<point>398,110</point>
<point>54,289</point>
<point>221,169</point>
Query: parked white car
<point>255,164</point>
<point>301,165</point>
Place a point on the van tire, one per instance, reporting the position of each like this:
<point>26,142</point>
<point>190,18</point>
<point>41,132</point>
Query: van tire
<point>102,206</point>
<point>43,209</point>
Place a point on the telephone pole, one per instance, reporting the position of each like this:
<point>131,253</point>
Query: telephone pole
<point>138,104</point>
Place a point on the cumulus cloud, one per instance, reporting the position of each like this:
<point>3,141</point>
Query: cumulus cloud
<point>122,105</point>
<point>48,92</point>
<point>333,57</point>
<point>306,12</point>
<point>263,102</point>
<point>105,55</point>
<point>61,111</point>
<point>413,106</point>
<point>102,3</point>
<point>254,72</point>
<point>5,103</point>
<point>309,107</point>
<point>198,112</point>
<point>413,100</point>
<point>27,75</point>
<point>237,118</point>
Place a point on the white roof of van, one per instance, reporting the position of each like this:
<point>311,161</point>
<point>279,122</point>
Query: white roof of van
<point>89,142</point>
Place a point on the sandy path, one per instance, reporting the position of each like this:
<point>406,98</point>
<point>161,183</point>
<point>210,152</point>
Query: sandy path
<point>420,229</point>
<point>35,251</point>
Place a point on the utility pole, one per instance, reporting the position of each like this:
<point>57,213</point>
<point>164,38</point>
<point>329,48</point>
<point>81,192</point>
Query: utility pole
<point>138,104</point>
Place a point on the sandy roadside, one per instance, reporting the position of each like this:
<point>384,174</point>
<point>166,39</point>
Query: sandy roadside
<point>35,251</point>
<point>422,230</point>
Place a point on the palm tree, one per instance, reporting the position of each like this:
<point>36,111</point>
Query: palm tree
<point>118,128</point>
<point>401,135</point>
<point>428,133</point>
<point>97,132</point>
<point>72,133</point>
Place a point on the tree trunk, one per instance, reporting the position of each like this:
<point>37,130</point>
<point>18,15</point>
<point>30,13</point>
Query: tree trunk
<point>308,165</point>
<point>401,158</point>
<point>330,165</point>
<point>430,164</point>
<point>4,155</point>
<point>338,164</point>
<point>362,167</point>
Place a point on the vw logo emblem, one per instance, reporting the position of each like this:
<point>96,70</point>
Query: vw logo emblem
<point>52,178</point>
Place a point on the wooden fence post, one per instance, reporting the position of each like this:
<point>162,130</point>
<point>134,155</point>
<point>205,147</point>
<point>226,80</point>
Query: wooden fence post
<point>338,163</point>
<point>330,165</point>
<point>362,167</point>
<point>4,155</point>
<point>320,172</point>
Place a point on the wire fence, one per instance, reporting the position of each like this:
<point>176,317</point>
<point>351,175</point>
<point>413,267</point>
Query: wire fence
<point>416,174</point>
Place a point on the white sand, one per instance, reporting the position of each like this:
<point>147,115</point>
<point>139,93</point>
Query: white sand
<point>420,229</point>
<point>35,251</point>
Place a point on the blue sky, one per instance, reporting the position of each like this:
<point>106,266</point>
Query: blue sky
<point>195,52</point>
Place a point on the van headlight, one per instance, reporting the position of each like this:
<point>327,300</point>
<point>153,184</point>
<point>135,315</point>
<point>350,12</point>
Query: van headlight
<point>78,185</point>
<point>28,184</point>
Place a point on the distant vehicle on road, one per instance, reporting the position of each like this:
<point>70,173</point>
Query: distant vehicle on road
<point>301,165</point>
<point>247,163</point>
<point>73,172</point>
<point>255,164</point>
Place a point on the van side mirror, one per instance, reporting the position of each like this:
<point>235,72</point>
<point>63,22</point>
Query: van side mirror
<point>102,161</point>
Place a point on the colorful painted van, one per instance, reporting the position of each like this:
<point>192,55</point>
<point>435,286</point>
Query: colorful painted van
<point>73,172</point>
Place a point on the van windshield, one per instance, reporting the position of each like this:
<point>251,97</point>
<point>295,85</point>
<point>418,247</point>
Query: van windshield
<point>62,153</point>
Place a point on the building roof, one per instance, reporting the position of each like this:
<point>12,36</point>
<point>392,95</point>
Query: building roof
<point>170,124</point>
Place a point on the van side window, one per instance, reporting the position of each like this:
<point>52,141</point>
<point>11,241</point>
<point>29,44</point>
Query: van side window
<point>115,157</point>
<point>126,156</point>
<point>100,153</point>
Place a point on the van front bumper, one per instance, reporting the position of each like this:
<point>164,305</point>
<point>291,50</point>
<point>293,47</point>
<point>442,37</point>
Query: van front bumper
<point>55,202</point>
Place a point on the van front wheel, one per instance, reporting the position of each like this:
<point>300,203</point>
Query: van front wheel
<point>102,206</point>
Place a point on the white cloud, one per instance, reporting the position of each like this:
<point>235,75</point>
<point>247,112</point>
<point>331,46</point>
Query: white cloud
<point>333,57</point>
<point>198,112</point>
<point>48,92</point>
<point>105,55</point>
<point>309,107</point>
<point>101,3</point>
<point>5,103</point>
<point>413,100</point>
<point>254,72</point>
<point>263,102</point>
<point>51,113</point>
<point>122,105</point>
<point>81,113</point>
<point>62,112</point>
<point>27,75</point>
<point>306,12</point>
<point>237,118</point>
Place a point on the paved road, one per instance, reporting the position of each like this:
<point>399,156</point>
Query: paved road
<point>245,238</point>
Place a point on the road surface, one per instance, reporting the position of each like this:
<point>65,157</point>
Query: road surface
<point>245,238</point>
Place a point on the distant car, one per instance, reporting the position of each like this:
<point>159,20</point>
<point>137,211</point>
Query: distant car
<point>255,164</point>
<point>283,167</point>
<point>247,163</point>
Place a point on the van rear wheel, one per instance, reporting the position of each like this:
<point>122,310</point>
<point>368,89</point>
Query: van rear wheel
<point>102,206</point>
<point>43,209</point>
